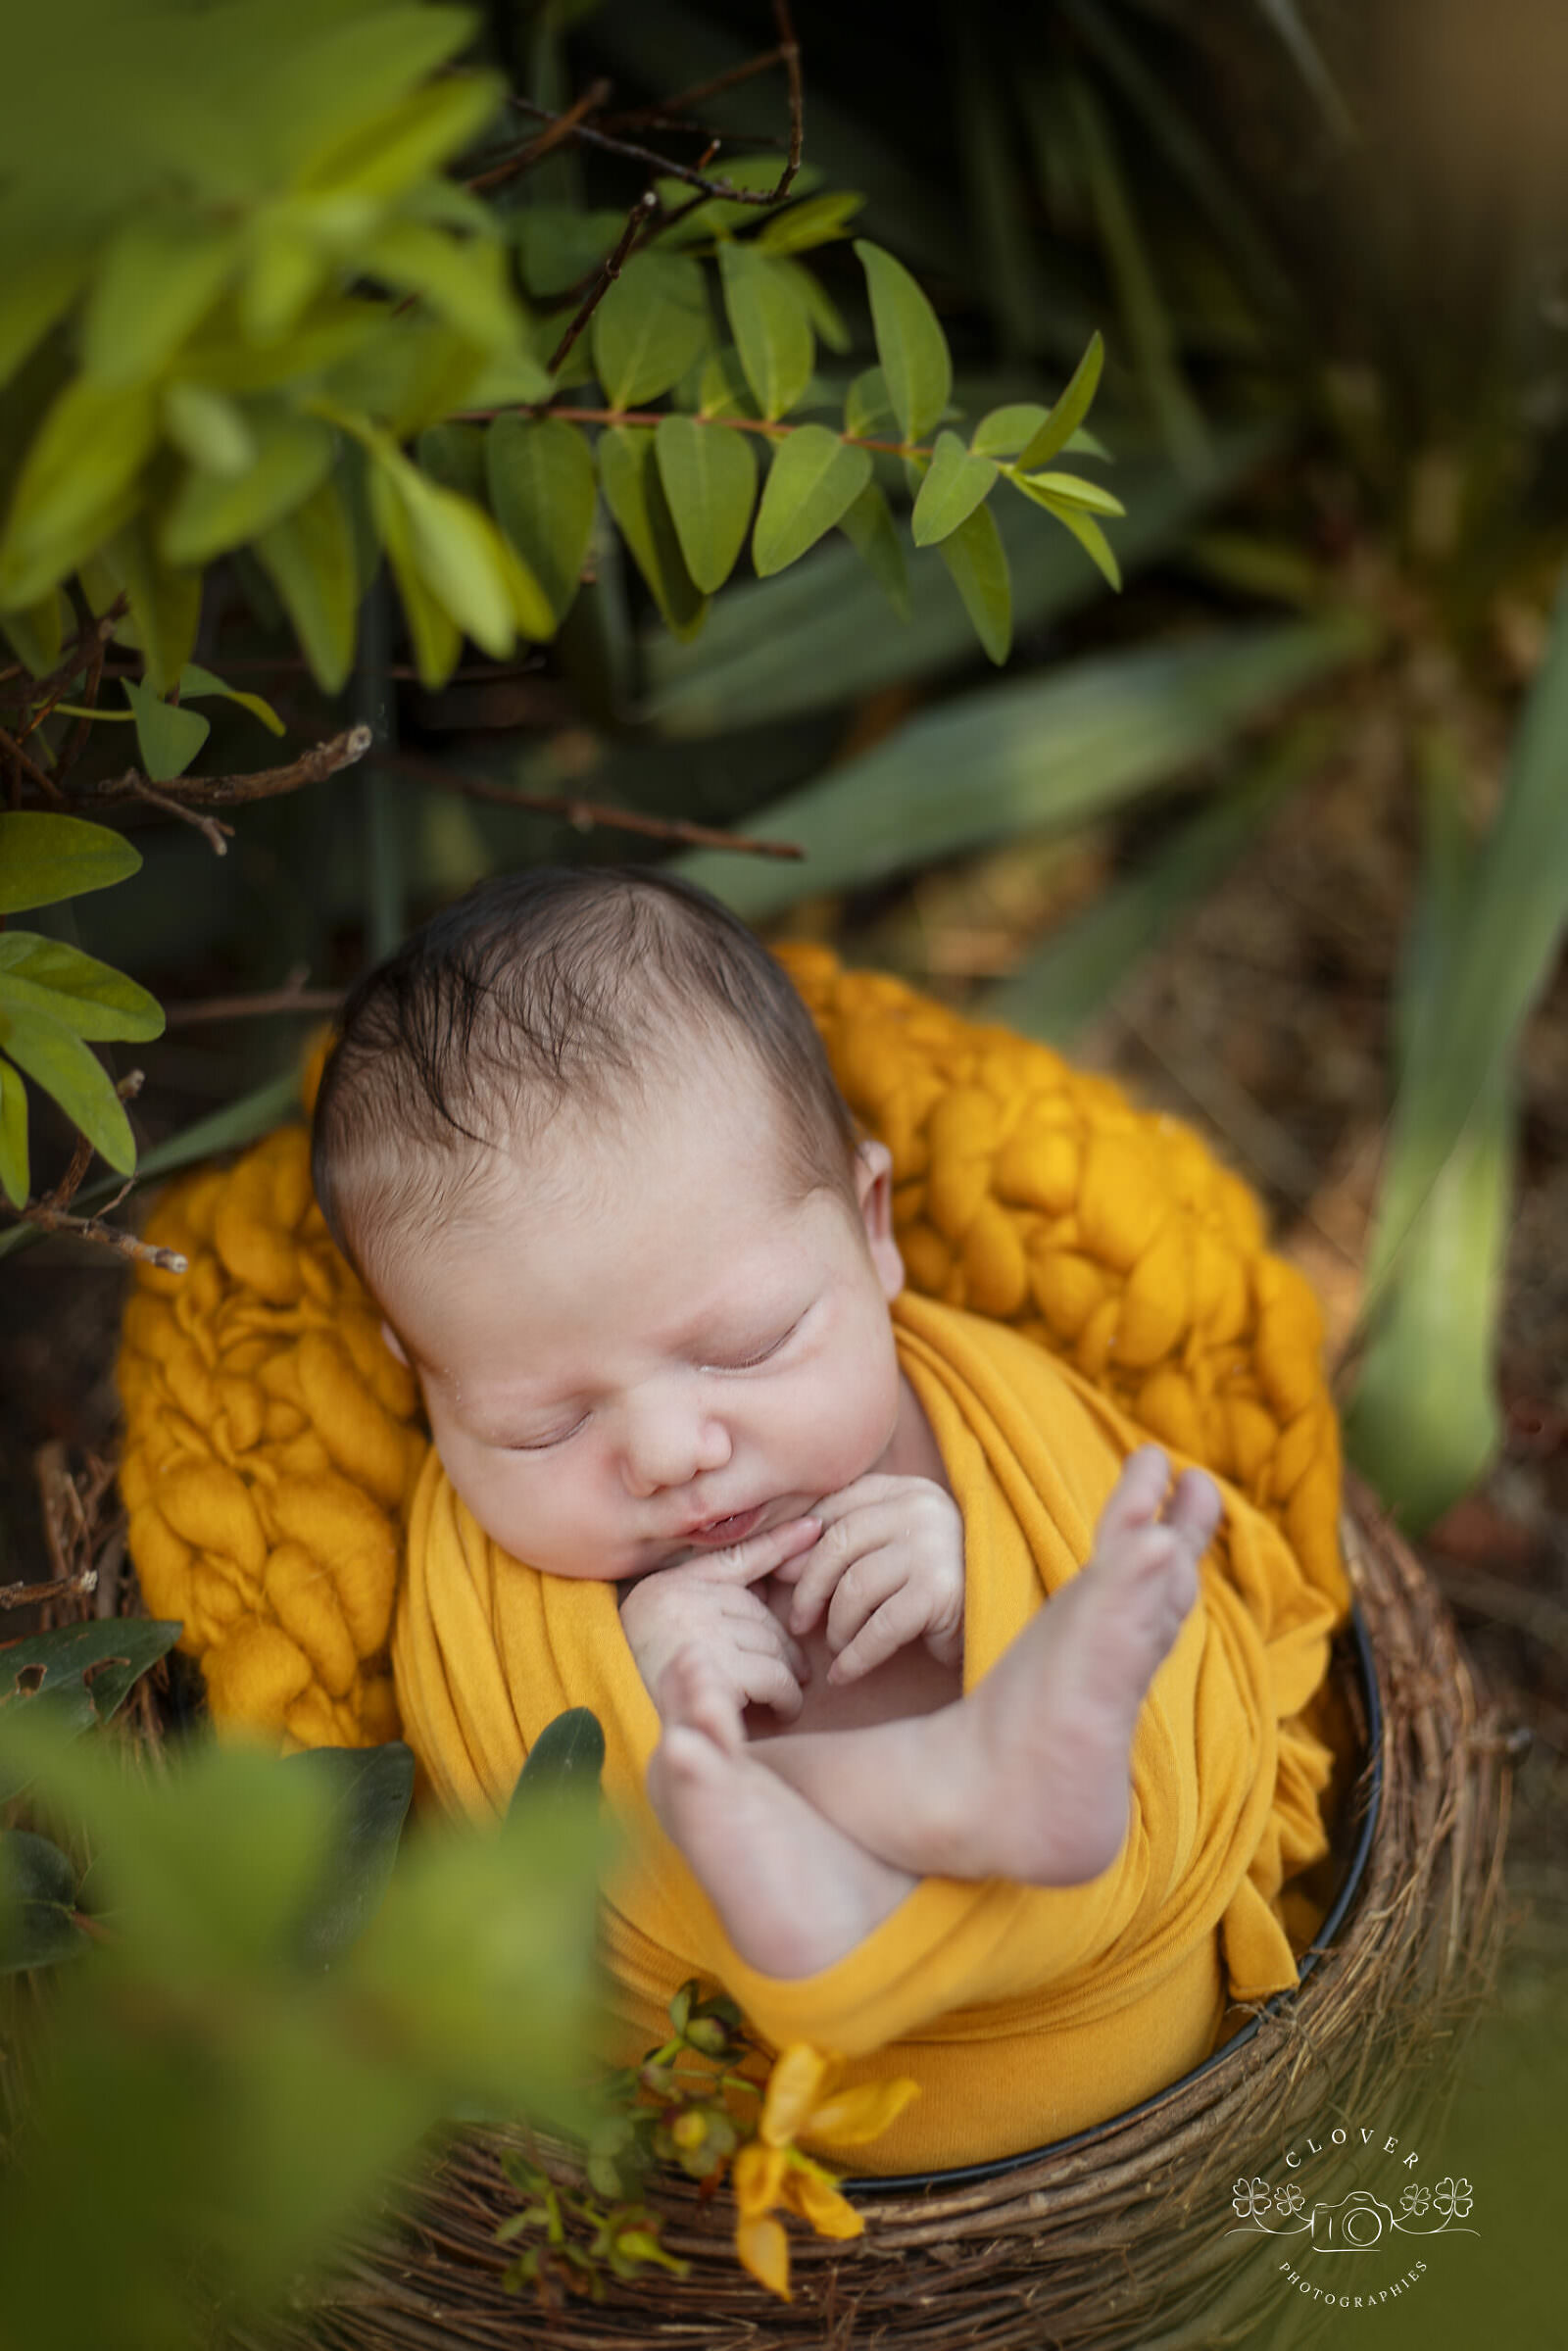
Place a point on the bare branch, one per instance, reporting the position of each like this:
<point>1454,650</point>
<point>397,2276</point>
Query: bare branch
<point>28,768</point>
<point>213,829</point>
<point>104,1236</point>
<point>60,1588</point>
<point>555,136</point>
<point>290,998</point>
<point>584,814</point>
<point>660,116</point>
<point>641,212</point>
<point>228,791</point>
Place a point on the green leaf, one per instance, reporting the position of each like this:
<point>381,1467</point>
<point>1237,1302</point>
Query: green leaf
<point>38,1903</point>
<point>628,470</point>
<point>869,409</point>
<point>167,736</point>
<point>1075,974</point>
<point>209,514</point>
<point>36,291</point>
<point>567,1758</point>
<point>771,326</point>
<point>978,562</point>
<point>955,485</point>
<point>1054,748</point>
<point>1084,528</point>
<point>13,1171</point>
<point>817,222</point>
<point>458,555</point>
<point>869,527</point>
<point>650,326</point>
<point>65,1713</point>
<point>155,281</point>
<point>453,456</point>
<point>368,1792</point>
<point>194,680</point>
<point>814,481</point>
<point>815,300</point>
<point>1006,430</point>
<point>710,478</point>
<point>540,474</point>
<point>1070,489</point>
<point>910,342</point>
<point>44,858</point>
<point>166,602</point>
<point>1070,412</point>
<point>465,284</point>
<point>558,245</point>
<point>436,637</point>
<point>207,428</point>
<point>102,1660</point>
<point>58,1060</point>
<point>89,997</point>
<point>36,636</point>
<point>722,389</point>
<point>309,558</point>
<point>76,486</point>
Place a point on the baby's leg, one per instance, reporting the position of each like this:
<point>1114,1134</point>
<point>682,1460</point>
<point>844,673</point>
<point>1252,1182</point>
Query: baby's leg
<point>794,1892</point>
<point>1027,1777</point>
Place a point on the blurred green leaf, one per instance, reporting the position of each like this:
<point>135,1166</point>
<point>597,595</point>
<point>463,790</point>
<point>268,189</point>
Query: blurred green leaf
<point>1032,752</point>
<point>44,858</point>
<point>14,1176</point>
<point>75,487</point>
<point>1070,412</point>
<point>811,484</point>
<point>194,680</point>
<point>817,221</point>
<point>38,1903</point>
<point>869,409</point>
<point>211,512</point>
<point>368,1791</point>
<point>978,562</point>
<point>628,472</point>
<point>165,599</point>
<point>821,311</point>
<point>1075,974</point>
<point>710,478</point>
<point>540,474</point>
<point>650,326</point>
<point>309,558</point>
<point>56,1058</point>
<point>773,331</point>
<point>89,997</point>
<point>465,284</point>
<point>167,736</point>
<point>910,342</point>
<point>869,527</point>
<point>453,456</point>
<point>209,428</point>
<point>558,245</point>
<point>36,636</point>
<point>1510,927</point>
<point>955,485</point>
<point>152,285</point>
<point>1424,1421</point>
<point>722,389</point>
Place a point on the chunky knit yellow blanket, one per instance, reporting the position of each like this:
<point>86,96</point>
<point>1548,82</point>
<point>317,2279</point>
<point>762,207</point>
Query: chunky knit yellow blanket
<point>273,1442</point>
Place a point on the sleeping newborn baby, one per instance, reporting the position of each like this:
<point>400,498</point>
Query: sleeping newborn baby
<point>580,1139</point>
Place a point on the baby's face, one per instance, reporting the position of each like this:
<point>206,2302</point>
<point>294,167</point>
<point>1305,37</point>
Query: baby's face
<point>648,1345</point>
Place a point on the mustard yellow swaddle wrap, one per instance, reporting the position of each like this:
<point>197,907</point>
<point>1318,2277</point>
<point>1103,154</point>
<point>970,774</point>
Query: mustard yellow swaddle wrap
<point>1086,1998</point>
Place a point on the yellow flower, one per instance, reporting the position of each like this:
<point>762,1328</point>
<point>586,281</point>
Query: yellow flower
<point>770,2169</point>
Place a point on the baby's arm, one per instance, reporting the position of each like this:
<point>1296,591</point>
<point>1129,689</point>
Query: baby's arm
<point>708,1599</point>
<point>888,1569</point>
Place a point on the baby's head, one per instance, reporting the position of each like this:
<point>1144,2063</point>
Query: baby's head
<point>580,1139</point>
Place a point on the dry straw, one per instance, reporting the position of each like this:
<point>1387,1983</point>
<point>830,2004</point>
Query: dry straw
<point>1115,2241</point>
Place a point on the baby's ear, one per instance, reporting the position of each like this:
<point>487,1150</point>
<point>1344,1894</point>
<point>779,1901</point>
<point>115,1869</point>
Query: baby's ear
<point>873,1188</point>
<point>394,1343</point>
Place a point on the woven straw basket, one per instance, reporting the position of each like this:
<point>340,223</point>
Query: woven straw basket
<point>1114,2240</point>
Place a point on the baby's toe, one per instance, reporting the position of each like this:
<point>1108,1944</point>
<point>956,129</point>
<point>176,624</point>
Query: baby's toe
<point>1195,1510</point>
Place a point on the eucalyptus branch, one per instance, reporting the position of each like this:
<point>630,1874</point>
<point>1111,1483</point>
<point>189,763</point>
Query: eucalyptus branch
<point>584,814</point>
<point>610,270</point>
<point>228,791</point>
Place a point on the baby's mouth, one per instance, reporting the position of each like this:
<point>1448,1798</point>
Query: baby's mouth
<point>719,1532</point>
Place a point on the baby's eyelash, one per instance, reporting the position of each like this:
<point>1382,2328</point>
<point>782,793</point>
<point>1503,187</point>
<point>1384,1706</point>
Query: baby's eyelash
<point>545,1445</point>
<point>749,1362</point>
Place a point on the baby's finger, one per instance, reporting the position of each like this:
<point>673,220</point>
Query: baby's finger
<point>769,1682</point>
<point>1194,1510</point>
<point>899,1621</point>
<point>771,1640</point>
<point>1139,1492</point>
<point>762,1554</point>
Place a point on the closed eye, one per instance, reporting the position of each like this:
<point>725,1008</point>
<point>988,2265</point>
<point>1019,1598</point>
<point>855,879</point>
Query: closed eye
<point>761,1354</point>
<point>546,1445</point>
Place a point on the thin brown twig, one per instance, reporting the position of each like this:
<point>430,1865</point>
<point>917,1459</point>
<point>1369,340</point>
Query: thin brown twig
<point>106,1236</point>
<point>76,742</point>
<point>555,135</point>
<point>586,814</point>
<point>61,1195</point>
<point>217,834</point>
<point>608,270</point>
<point>62,1588</point>
<point>241,1008</point>
<point>668,167</point>
<point>657,116</point>
<point>30,768</point>
<point>772,429</point>
<point>228,791</point>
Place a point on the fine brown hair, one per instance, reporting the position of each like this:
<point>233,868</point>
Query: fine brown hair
<point>553,987</point>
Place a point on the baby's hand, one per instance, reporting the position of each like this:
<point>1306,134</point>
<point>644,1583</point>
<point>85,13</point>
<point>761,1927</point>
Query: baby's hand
<point>888,1567</point>
<point>708,1599</point>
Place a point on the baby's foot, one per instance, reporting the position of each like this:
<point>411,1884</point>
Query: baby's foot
<point>794,1892</point>
<point>1041,1745</point>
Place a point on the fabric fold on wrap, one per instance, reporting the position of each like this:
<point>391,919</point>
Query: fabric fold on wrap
<point>1086,1998</point>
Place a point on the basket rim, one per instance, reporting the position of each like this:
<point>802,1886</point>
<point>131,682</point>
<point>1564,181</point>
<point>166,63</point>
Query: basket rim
<point>1369,1780</point>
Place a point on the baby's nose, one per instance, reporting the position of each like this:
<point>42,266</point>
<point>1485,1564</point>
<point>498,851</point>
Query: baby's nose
<point>669,1441</point>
